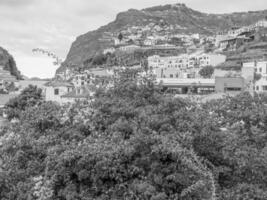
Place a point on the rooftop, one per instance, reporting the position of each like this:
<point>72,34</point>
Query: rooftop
<point>59,84</point>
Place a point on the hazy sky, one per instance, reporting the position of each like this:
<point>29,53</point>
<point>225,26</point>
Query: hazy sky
<point>54,24</point>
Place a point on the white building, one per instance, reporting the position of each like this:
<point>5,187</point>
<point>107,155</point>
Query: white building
<point>186,61</point>
<point>109,50</point>
<point>78,94</point>
<point>210,59</point>
<point>55,89</point>
<point>259,68</point>
<point>261,23</point>
<point>150,42</point>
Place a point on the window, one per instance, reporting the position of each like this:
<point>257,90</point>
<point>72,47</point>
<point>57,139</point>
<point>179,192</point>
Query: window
<point>233,89</point>
<point>257,87</point>
<point>56,91</point>
<point>264,87</point>
<point>171,75</point>
<point>260,69</point>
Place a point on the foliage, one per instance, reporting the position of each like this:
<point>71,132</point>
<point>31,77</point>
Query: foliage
<point>29,97</point>
<point>257,77</point>
<point>206,72</point>
<point>120,36</point>
<point>134,142</point>
<point>9,64</point>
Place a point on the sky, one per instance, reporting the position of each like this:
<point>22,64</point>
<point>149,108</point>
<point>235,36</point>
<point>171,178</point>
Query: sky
<point>54,24</point>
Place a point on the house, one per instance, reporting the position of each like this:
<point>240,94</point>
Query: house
<point>118,42</point>
<point>261,69</point>
<point>55,89</point>
<point>210,59</point>
<point>261,85</point>
<point>261,23</point>
<point>234,36</point>
<point>232,43</point>
<point>109,50</point>
<point>79,94</point>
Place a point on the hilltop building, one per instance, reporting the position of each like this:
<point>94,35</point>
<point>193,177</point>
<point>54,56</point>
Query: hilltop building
<point>238,35</point>
<point>183,66</point>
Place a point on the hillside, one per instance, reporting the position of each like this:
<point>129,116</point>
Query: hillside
<point>9,63</point>
<point>179,17</point>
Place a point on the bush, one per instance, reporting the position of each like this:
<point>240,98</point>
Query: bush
<point>206,72</point>
<point>134,142</point>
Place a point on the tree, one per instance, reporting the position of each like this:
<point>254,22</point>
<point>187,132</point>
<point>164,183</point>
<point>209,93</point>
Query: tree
<point>29,97</point>
<point>120,36</point>
<point>257,77</point>
<point>135,142</point>
<point>99,59</point>
<point>206,72</point>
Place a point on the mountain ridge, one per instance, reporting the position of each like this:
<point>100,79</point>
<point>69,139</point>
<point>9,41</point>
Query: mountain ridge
<point>189,20</point>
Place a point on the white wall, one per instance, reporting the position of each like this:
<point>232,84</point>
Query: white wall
<point>260,67</point>
<point>216,59</point>
<point>50,94</point>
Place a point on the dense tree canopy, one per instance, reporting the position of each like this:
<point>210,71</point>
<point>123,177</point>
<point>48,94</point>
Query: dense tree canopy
<point>206,72</point>
<point>29,97</point>
<point>135,142</point>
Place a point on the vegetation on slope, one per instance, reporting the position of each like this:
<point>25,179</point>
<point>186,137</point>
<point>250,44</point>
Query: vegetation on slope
<point>9,63</point>
<point>191,21</point>
<point>134,142</point>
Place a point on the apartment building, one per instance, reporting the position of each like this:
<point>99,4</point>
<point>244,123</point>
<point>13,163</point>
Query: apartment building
<point>186,61</point>
<point>259,68</point>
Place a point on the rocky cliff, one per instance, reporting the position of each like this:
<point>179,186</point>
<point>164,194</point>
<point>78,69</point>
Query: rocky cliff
<point>9,63</point>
